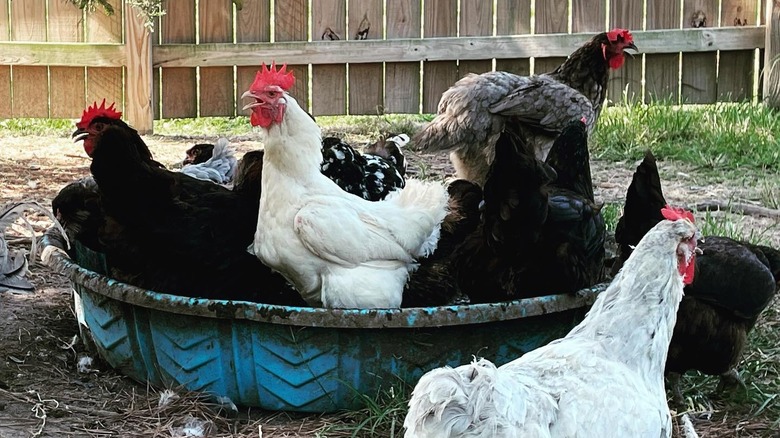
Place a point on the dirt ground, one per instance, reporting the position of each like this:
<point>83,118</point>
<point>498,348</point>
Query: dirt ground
<point>42,393</point>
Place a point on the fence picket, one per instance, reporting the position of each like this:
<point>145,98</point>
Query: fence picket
<point>253,24</point>
<point>292,24</point>
<point>626,14</point>
<point>402,79</point>
<point>365,80</point>
<point>28,23</point>
<point>216,83</point>
<point>699,70</point>
<point>105,82</point>
<point>66,84</point>
<point>513,18</point>
<point>476,19</point>
<point>662,72</point>
<point>179,90</point>
<point>5,70</point>
<point>735,81</point>
<point>329,81</point>
<point>440,19</point>
<point>552,16</point>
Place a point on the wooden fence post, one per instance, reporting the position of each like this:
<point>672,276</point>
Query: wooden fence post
<point>772,55</point>
<point>138,77</point>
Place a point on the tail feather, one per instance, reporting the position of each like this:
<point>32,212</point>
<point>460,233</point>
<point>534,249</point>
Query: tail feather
<point>427,201</point>
<point>474,400</point>
<point>642,210</point>
<point>515,193</point>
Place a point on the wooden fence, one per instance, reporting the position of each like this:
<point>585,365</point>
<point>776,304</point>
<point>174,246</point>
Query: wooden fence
<point>362,56</point>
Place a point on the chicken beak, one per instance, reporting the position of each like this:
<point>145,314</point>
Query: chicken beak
<point>248,93</point>
<point>633,47</point>
<point>79,134</point>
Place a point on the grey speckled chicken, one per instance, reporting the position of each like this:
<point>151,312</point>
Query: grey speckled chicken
<point>473,112</point>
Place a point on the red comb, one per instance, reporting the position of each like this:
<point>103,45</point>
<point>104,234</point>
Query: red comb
<point>676,213</point>
<point>272,76</point>
<point>613,35</point>
<point>97,111</point>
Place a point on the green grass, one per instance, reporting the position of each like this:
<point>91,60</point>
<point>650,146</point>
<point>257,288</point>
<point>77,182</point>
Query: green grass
<point>715,136</point>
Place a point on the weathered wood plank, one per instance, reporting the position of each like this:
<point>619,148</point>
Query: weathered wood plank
<point>179,89</point>
<point>27,85</point>
<point>402,80</point>
<point>67,92</point>
<point>253,24</point>
<point>626,82</point>
<point>292,24</point>
<point>138,92</point>
<point>735,68</point>
<point>29,24</point>
<point>5,92</point>
<point>771,85</point>
<point>216,83</point>
<point>365,80</point>
<point>588,16</point>
<point>476,19</point>
<point>28,20</point>
<point>440,19</point>
<point>5,29</point>
<point>102,28</point>
<point>662,72</point>
<point>699,70</point>
<point>106,82</point>
<point>439,49</point>
<point>329,82</point>
<point>66,84</point>
<point>62,54</point>
<point>513,18</point>
<point>552,16</point>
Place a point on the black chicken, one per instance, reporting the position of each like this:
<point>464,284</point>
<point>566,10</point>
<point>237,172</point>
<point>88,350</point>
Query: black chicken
<point>733,284</point>
<point>434,282</point>
<point>199,153</point>
<point>166,231</point>
<point>536,237</point>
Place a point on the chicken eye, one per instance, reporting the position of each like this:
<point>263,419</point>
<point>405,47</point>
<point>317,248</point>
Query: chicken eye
<point>99,126</point>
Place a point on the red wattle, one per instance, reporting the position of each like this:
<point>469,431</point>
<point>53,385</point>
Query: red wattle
<point>616,61</point>
<point>689,271</point>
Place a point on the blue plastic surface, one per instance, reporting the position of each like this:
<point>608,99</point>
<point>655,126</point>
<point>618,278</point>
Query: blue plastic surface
<point>303,359</point>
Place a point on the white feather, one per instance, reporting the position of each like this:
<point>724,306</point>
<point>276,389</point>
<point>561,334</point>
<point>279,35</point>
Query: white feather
<point>605,378</point>
<point>220,168</point>
<point>338,250</point>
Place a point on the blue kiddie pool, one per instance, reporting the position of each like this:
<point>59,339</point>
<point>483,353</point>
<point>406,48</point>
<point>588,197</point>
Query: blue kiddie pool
<point>298,358</point>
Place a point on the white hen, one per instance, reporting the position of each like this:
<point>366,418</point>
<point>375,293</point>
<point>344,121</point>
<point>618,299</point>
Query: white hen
<point>337,249</point>
<point>604,379</point>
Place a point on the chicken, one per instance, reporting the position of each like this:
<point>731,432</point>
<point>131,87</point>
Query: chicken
<point>604,378</point>
<point>13,263</point>
<point>434,282</point>
<point>95,118</point>
<point>78,209</point>
<point>219,168</point>
<point>473,112</point>
<point>541,232</point>
<point>370,176</point>
<point>735,282</point>
<point>199,153</point>
<point>338,250</point>
<point>168,232</point>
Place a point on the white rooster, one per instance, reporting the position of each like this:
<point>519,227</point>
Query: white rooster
<point>604,379</point>
<point>337,249</point>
